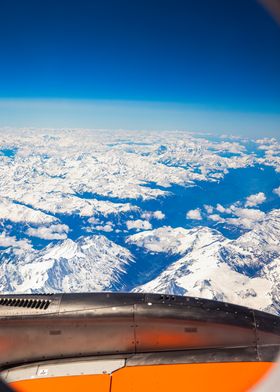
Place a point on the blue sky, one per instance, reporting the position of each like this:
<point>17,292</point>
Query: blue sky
<point>196,65</point>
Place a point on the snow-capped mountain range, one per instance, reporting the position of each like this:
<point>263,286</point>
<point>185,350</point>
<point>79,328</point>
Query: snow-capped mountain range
<point>170,212</point>
<point>244,271</point>
<point>91,263</point>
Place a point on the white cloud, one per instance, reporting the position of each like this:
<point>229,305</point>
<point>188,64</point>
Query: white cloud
<point>99,225</point>
<point>164,239</point>
<point>94,221</point>
<point>147,215</point>
<point>194,214</point>
<point>246,217</point>
<point>159,215</point>
<point>216,218</point>
<point>249,213</point>
<point>232,147</point>
<point>21,214</point>
<point>138,224</point>
<point>222,209</point>
<point>108,228</point>
<point>53,232</point>
<point>277,191</point>
<point>209,209</point>
<point>266,140</point>
<point>255,199</point>
<point>7,241</point>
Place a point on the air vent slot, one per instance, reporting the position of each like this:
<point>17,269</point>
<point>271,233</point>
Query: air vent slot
<point>26,303</point>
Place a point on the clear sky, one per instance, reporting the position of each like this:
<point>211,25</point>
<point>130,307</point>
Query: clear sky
<point>196,65</point>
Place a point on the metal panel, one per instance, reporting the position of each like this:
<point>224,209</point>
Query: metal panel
<point>267,328</point>
<point>173,327</point>
<point>105,323</point>
<point>240,354</point>
<point>94,332</point>
<point>198,309</point>
<point>63,368</point>
<point>87,301</point>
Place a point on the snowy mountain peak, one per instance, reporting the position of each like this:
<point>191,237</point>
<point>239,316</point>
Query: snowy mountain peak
<point>212,266</point>
<point>91,263</point>
<point>65,249</point>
